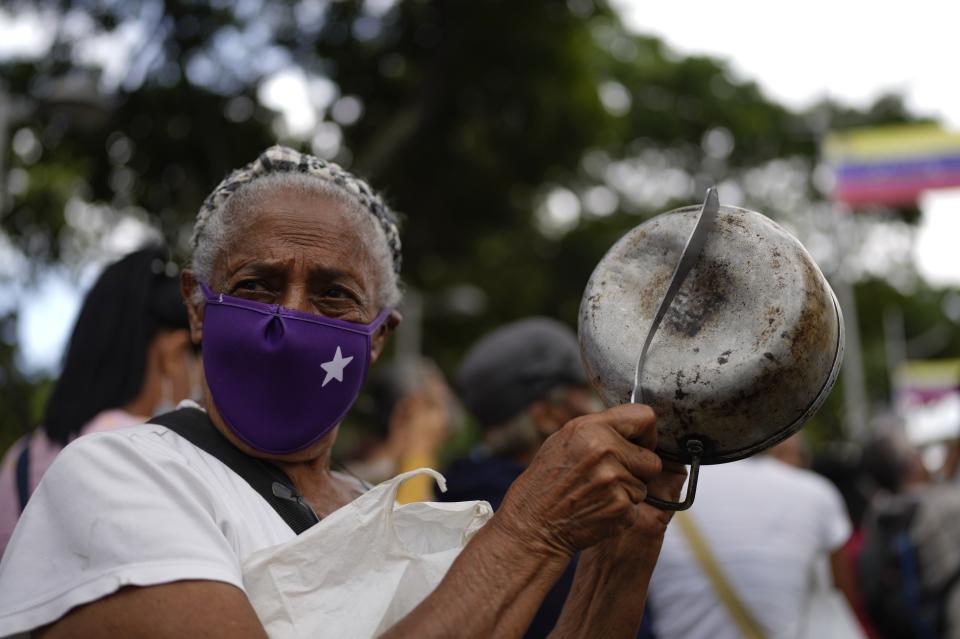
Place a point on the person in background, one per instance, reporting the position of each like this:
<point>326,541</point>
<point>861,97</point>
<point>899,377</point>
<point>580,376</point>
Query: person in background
<point>413,415</point>
<point>935,530</point>
<point>129,358</point>
<point>843,465</point>
<point>909,562</point>
<point>793,451</point>
<point>767,525</point>
<point>522,382</point>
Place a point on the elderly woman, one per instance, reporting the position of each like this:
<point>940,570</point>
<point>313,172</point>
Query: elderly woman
<point>140,533</point>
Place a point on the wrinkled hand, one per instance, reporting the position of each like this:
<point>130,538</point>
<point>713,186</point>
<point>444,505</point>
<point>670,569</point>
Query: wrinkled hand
<point>644,537</point>
<point>668,485</point>
<point>588,482</point>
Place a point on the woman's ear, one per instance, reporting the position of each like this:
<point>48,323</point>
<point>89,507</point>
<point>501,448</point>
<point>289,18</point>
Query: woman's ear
<point>189,291</point>
<point>380,337</point>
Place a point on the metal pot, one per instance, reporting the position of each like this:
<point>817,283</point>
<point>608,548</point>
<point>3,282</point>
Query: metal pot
<point>747,351</point>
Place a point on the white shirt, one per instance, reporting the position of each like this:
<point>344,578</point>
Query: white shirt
<point>138,506</point>
<point>766,524</point>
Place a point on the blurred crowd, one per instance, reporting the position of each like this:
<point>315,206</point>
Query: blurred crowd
<point>849,540</point>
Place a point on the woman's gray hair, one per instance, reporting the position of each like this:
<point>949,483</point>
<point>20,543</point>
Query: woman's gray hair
<point>283,167</point>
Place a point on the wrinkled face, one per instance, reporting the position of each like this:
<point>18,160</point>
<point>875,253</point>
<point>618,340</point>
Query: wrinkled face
<point>304,252</point>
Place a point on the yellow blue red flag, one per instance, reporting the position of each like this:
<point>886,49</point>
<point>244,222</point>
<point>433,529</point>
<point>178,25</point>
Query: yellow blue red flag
<point>892,165</point>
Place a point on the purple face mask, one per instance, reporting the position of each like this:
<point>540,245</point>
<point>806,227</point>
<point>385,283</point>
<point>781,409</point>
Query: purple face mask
<point>281,379</point>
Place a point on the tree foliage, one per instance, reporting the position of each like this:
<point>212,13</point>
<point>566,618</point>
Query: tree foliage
<point>519,140</point>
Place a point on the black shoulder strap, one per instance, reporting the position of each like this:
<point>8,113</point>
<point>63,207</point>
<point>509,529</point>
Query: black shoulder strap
<point>269,481</point>
<point>23,474</point>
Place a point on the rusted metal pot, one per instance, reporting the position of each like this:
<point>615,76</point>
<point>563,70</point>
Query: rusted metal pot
<point>748,350</point>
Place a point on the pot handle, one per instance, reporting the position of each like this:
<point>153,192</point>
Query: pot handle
<point>694,449</point>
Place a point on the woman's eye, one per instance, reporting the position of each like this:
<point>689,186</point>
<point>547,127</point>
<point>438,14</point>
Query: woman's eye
<point>336,293</point>
<point>250,285</point>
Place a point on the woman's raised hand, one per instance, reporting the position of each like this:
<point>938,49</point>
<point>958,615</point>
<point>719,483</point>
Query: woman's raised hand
<point>588,482</point>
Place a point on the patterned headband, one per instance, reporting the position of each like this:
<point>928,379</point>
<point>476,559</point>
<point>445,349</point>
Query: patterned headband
<point>282,159</point>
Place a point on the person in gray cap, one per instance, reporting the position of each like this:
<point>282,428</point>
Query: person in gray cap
<point>522,382</point>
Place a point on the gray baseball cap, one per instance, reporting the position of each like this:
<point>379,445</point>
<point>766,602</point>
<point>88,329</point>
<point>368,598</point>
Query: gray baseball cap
<point>517,364</point>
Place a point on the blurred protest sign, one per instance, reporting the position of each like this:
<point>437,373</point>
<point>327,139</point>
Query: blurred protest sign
<point>892,165</point>
<point>927,395</point>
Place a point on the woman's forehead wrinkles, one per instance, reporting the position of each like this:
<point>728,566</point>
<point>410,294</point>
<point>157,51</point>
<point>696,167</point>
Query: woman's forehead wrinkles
<point>320,222</point>
<point>302,218</point>
<point>288,231</point>
<point>313,269</point>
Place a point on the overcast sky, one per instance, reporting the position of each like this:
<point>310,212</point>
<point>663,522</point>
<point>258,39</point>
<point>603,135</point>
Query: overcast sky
<point>851,50</point>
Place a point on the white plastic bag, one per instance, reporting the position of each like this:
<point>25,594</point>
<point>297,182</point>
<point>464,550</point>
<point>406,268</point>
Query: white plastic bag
<point>363,568</point>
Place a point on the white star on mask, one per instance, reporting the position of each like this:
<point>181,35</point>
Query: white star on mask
<point>334,367</point>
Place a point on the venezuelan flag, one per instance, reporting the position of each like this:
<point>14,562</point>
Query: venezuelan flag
<point>922,381</point>
<point>892,165</point>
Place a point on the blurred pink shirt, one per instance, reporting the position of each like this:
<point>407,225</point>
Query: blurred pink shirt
<point>42,453</point>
